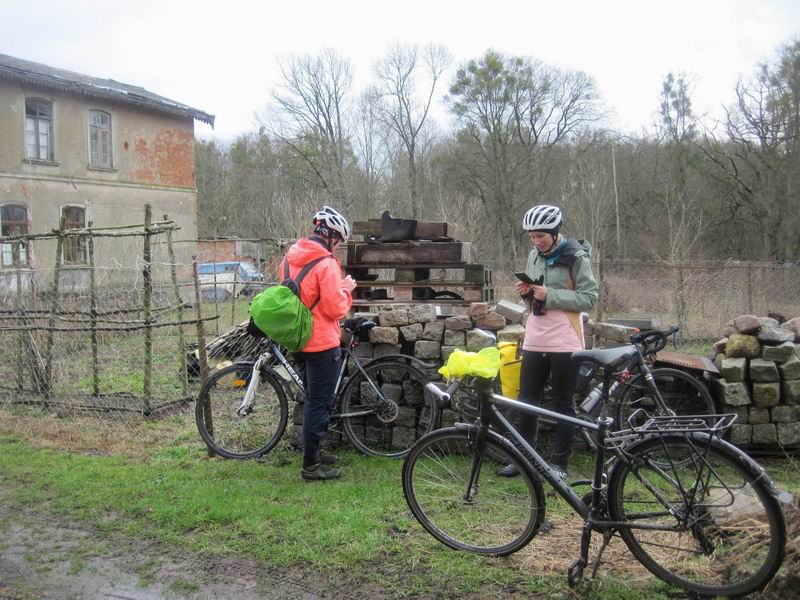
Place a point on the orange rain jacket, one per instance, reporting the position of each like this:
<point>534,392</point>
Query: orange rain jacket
<point>323,283</point>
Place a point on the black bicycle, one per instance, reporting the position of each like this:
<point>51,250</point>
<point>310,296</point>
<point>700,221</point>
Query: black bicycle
<point>636,385</point>
<point>383,406</point>
<point>693,509</point>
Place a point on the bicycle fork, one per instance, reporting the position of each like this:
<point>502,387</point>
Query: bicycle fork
<point>255,380</point>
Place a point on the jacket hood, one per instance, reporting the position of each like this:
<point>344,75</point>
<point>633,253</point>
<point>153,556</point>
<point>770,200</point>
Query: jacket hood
<point>571,250</point>
<point>304,251</point>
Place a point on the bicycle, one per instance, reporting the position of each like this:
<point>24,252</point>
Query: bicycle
<point>242,409</point>
<point>637,385</point>
<point>693,509</point>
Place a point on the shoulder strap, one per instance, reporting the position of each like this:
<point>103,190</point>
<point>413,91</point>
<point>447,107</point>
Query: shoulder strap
<point>306,268</point>
<point>303,272</point>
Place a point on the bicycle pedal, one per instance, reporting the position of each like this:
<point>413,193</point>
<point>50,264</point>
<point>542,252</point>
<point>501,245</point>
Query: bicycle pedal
<point>575,573</point>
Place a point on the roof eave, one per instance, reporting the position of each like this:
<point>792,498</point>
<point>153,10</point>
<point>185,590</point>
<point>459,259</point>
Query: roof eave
<point>76,88</point>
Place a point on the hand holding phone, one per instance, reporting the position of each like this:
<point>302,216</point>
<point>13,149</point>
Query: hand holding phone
<point>537,306</point>
<point>523,277</point>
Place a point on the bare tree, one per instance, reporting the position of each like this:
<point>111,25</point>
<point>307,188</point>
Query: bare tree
<point>311,115</point>
<point>402,111</point>
<point>588,187</point>
<point>372,149</point>
<point>512,112</point>
<point>760,160</point>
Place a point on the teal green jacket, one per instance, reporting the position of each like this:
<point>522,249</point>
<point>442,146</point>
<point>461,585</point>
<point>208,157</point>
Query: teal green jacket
<point>573,260</point>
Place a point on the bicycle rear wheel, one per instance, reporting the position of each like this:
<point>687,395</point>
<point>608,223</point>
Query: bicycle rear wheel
<point>500,516</point>
<point>681,392</point>
<point>390,424</point>
<point>230,434</point>
<point>699,517</point>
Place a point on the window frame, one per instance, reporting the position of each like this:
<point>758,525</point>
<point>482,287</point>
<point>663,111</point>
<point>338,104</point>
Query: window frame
<point>74,246</point>
<point>94,161</point>
<point>12,249</point>
<point>37,119</point>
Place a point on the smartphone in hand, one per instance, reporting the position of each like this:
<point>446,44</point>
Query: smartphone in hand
<point>523,277</point>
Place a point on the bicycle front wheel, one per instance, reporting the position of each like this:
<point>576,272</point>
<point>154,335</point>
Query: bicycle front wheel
<point>698,516</point>
<point>234,431</point>
<point>497,516</point>
<point>681,392</point>
<point>386,409</point>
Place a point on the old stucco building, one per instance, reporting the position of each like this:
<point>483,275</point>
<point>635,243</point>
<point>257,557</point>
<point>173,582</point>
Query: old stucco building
<point>88,149</point>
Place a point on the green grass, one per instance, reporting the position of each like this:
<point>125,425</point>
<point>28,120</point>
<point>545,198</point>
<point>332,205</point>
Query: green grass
<point>263,510</point>
<point>174,494</point>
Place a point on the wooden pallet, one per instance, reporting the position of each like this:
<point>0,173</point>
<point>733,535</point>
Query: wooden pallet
<point>472,282</point>
<point>409,253</point>
<point>426,230</point>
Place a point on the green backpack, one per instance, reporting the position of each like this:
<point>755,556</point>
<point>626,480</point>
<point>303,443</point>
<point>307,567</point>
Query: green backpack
<point>279,313</point>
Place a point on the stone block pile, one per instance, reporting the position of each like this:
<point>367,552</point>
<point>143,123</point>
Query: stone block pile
<point>759,360</point>
<point>417,330</point>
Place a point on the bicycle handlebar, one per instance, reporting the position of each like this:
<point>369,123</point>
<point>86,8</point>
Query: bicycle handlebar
<point>443,396</point>
<point>654,340</point>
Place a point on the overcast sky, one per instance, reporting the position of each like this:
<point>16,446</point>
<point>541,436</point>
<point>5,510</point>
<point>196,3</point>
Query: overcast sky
<point>221,56</point>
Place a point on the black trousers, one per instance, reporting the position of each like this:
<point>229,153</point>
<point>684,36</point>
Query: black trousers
<point>536,366</point>
<point>320,372</point>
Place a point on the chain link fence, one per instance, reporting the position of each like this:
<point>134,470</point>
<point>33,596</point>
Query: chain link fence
<point>701,297</point>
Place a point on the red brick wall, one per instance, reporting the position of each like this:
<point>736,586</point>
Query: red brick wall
<point>166,159</point>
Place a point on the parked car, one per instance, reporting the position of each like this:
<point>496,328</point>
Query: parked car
<point>217,279</point>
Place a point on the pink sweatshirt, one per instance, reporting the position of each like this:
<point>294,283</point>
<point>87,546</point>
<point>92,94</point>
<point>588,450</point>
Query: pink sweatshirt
<point>553,332</point>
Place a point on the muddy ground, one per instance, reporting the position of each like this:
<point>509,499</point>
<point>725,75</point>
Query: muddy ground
<point>43,558</point>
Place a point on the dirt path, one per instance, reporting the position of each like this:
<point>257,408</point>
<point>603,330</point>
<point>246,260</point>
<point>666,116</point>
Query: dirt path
<point>40,558</point>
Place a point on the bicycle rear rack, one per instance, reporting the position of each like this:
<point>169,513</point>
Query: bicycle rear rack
<point>661,425</point>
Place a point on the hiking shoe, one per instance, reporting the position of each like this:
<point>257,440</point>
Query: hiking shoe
<point>327,459</point>
<point>510,470</point>
<point>319,472</point>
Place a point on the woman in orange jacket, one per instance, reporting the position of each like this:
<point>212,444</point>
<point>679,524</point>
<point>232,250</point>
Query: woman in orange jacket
<point>329,297</point>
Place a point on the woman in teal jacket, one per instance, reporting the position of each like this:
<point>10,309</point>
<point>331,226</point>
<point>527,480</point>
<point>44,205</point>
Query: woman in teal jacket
<point>566,288</point>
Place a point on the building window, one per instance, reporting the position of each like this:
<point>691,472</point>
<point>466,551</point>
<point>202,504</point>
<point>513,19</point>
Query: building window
<point>74,247</point>
<point>100,139</point>
<point>14,221</point>
<point>38,129</point>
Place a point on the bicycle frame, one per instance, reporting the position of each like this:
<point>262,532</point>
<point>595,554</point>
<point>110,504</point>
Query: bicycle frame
<point>621,378</point>
<point>592,515</point>
<point>491,413</point>
<point>273,350</point>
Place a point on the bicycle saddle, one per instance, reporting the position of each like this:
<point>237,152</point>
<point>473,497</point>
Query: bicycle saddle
<point>359,325</point>
<point>609,358</point>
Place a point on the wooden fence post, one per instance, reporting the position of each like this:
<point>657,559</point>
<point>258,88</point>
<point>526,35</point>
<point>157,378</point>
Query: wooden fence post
<point>601,308</point>
<point>93,316</point>
<point>179,302</point>
<point>216,291</point>
<point>233,299</point>
<point>21,367</point>
<point>201,351</point>
<point>51,321</point>
<point>147,300</point>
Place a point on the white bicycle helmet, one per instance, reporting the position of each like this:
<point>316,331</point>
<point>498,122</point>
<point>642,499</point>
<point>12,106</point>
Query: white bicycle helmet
<point>334,221</point>
<point>542,217</point>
